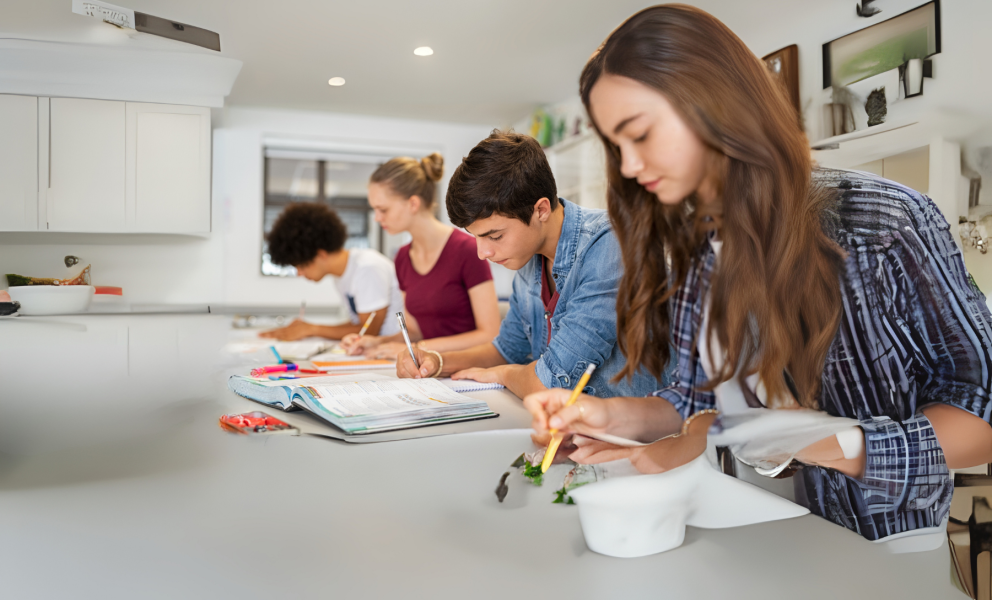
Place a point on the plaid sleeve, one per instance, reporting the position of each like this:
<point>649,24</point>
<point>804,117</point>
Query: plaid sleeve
<point>906,484</point>
<point>904,465</point>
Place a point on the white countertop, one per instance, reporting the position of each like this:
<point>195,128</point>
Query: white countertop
<point>116,482</point>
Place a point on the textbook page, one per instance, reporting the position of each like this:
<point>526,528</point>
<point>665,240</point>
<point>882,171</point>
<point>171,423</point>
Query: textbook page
<point>381,397</point>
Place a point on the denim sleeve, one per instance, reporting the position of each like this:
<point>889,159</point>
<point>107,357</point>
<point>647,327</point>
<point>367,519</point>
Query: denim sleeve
<point>512,340</point>
<point>587,332</point>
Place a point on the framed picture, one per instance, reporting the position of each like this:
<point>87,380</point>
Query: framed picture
<point>784,66</point>
<point>883,46</point>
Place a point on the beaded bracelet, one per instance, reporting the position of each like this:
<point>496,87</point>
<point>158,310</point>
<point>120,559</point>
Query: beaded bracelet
<point>690,418</point>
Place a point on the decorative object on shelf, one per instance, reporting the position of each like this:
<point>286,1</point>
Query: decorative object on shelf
<point>912,74</point>
<point>838,115</point>
<point>875,107</point>
<point>882,46</point>
<point>839,118</point>
<point>865,9</point>
<point>973,235</point>
<point>784,66</point>
<point>542,128</point>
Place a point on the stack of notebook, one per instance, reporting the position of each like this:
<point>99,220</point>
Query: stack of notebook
<point>360,405</point>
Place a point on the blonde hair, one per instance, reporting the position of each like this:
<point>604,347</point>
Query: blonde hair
<point>411,177</point>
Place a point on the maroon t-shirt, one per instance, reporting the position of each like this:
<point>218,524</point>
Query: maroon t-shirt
<point>439,300</point>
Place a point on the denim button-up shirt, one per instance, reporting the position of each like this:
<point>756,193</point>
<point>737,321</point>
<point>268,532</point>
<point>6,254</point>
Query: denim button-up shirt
<point>586,271</point>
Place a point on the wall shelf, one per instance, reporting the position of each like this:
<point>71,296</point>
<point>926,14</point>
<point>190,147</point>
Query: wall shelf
<point>894,137</point>
<point>832,143</point>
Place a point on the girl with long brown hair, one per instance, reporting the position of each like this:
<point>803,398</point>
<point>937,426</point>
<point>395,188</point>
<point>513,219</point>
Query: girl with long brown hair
<point>780,286</point>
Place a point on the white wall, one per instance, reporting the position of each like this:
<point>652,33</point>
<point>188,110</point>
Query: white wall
<point>223,267</point>
<point>238,180</point>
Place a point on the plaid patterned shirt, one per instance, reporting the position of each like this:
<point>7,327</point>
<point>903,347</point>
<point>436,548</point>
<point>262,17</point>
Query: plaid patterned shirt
<point>915,330</point>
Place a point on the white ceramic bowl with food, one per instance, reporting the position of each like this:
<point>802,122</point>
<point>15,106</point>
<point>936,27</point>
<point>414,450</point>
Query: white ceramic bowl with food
<point>52,299</point>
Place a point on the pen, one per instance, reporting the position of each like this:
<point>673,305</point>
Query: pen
<point>368,323</point>
<point>303,308</point>
<point>279,369</point>
<point>406,337</point>
<point>555,438</point>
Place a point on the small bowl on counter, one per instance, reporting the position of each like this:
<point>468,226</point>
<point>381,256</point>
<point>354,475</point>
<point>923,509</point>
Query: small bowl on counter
<point>52,299</point>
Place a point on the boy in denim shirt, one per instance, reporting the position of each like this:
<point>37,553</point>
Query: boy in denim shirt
<point>563,309</point>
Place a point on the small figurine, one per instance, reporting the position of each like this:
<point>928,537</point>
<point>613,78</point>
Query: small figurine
<point>865,9</point>
<point>875,107</point>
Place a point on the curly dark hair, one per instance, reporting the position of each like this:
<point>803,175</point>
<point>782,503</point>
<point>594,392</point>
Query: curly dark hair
<point>301,230</point>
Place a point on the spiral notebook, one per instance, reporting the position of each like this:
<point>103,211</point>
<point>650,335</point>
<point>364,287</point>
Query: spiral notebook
<point>467,385</point>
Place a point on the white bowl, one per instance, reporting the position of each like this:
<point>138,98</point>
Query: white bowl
<point>52,299</point>
<point>646,514</point>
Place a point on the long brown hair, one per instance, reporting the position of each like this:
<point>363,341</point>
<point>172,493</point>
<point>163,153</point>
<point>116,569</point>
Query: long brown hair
<point>775,295</point>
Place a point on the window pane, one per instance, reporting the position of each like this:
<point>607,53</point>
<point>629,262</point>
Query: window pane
<point>288,179</point>
<point>342,186</point>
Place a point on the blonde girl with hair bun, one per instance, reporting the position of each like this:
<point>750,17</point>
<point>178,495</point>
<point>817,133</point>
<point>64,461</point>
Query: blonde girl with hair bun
<point>448,291</point>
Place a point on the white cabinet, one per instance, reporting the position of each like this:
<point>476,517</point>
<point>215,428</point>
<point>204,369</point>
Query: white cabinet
<point>168,168</point>
<point>578,165</point>
<point>101,166</point>
<point>18,163</point>
<point>86,154</point>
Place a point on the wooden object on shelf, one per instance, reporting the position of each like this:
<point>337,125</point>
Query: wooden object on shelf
<point>784,68</point>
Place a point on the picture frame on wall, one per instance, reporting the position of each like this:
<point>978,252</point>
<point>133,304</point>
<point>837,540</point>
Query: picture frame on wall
<point>784,68</point>
<point>884,46</point>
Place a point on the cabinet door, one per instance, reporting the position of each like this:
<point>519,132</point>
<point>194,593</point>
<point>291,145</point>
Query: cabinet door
<point>168,174</point>
<point>86,186</point>
<point>18,163</point>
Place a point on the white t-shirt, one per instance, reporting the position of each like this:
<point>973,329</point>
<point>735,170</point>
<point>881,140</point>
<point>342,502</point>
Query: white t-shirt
<point>369,283</point>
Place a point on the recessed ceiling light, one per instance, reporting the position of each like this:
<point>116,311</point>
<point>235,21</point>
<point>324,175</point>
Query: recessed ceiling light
<point>423,51</point>
<point>336,81</point>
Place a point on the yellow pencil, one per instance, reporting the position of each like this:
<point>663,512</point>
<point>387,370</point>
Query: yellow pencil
<point>368,323</point>
<point>555,438</point>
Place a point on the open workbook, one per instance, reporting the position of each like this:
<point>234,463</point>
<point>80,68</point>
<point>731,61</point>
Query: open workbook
<point>361,405</point>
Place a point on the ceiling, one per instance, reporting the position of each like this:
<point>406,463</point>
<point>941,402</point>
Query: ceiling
<point>494,61</point>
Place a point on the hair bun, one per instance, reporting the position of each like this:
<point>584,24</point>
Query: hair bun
<point>433,165</point>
